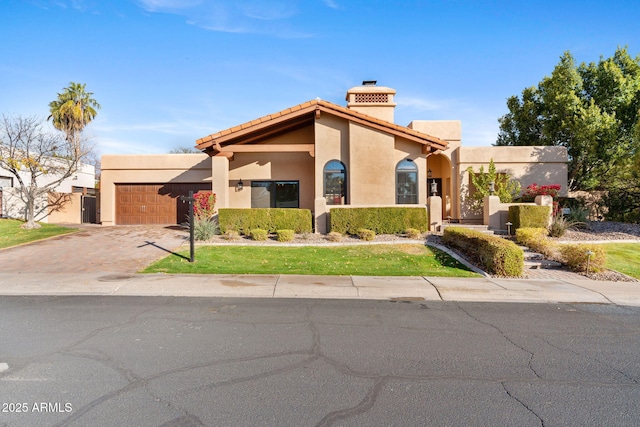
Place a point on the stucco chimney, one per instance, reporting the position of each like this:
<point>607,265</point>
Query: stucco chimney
<point>375,101</point>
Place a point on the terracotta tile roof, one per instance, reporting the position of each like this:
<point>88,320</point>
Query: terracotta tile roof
<point>306,111</point>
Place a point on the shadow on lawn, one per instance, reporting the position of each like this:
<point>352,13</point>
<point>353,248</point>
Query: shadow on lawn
<point>148,243</point>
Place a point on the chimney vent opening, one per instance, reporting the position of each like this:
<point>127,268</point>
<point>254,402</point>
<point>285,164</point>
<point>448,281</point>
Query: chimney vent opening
<point>369,82</point>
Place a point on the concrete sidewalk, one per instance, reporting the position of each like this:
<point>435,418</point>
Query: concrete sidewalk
<point>340,287</point>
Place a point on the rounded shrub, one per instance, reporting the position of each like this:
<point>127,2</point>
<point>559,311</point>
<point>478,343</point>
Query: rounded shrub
<point>366,234</point>
<point>284,235</point>
<point>576,256</point>
<point>334,236</point>
<point>259,234</point>
<point>413,233</point>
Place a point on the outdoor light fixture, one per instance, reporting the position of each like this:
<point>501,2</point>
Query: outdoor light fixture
<point>492,188</point>
<point>509,224</point>
<point>434,188</point>
<point>239,185</point>
<point>429,173</point>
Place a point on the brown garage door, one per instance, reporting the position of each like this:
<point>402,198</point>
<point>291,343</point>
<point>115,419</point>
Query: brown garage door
<point>153,203</point>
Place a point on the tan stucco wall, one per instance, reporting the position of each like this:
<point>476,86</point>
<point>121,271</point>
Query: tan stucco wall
<point>269,167</point>
<point>372,178</point>
<point>332,143</point>
<point>528,165</point>
<point>151,168</point>
<point>280,166</point>
<point>67,208</point>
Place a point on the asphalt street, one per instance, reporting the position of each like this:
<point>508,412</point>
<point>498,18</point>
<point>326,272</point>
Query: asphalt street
<point>167,361</point>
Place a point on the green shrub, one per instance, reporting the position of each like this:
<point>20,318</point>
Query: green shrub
<point>537,239</point>
<point>413,233</point>
<point>334,236</point>
<point>575,257</point>
<point>366,234</point>
<point>204,228</point>
<point>230,235</point>
<point>496,255</point>
<point>284,235</point>
<point>387,220</point>
<point>559,225</point>
<point>270,219</point>
<point>529,216</point>
<point>259,234</point>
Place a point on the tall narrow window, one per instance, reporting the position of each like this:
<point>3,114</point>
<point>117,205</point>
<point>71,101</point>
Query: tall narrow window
<point>335,183</point>
<point>406,182</point>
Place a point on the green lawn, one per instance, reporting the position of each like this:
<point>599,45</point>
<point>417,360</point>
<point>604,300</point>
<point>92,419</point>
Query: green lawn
<point>359,260</point>
<point>11,234</point>
<point>624,257</point>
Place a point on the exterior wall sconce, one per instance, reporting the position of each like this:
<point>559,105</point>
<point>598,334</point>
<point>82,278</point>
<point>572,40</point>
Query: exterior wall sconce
<point>434,188</point>
<point>429,173</point>
<point>492,188</point>
<point>239,185</point>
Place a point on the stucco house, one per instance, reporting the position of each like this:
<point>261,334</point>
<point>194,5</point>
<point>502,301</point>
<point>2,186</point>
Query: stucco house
<point>73,200</point>
<point>317,155</point>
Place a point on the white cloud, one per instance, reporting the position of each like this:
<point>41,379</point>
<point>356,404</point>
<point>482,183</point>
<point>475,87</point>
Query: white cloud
<point>419,104</point>
<point>168,5</point>
<point>332,4</point>
<point>240,16</point>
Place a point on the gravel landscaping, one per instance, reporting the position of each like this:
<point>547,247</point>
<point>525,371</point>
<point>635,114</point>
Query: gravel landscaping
<point>603,231</point>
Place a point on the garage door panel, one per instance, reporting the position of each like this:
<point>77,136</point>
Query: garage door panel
<point>153,203</point>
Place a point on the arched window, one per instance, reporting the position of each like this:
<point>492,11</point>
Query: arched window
<point>406,182</point>
<point>335,183</point>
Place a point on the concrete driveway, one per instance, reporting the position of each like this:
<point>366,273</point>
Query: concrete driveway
<point>95,249</point>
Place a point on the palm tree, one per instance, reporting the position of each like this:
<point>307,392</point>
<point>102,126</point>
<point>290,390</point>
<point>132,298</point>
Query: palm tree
<point>73,110</point>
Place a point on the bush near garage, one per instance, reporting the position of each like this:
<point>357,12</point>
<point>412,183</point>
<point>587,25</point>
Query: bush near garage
<point>269,219</point>
<point>494,254</point>
<point>386,220</point>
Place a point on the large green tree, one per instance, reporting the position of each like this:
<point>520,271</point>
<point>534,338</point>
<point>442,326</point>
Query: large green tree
<point>591,109</point>
<point>73,110</point>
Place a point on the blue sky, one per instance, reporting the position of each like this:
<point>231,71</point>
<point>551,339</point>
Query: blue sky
<point>167,72</point>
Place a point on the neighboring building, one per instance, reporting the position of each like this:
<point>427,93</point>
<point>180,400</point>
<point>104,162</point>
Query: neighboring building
<point>65,204</point>
<point>315,155</point>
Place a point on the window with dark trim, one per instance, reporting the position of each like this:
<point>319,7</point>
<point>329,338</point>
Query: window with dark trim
<point>275,194</point>
<point>6,181</point>
<point>406,182</point>
<point>335,183</point>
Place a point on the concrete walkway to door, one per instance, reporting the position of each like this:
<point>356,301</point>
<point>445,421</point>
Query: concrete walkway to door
<point>95,249</point>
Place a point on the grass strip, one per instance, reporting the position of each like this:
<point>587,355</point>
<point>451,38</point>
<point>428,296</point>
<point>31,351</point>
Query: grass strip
<point>623,257</point>
<point>359,260</point>
<point>11,234</point>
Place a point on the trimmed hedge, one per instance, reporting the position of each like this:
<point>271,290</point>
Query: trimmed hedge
<point>575,257</point>
<point>530,216</point>
<point>496,255</point>
<point>270,219</point>
<point>538,240</point>
<point>386,220</point>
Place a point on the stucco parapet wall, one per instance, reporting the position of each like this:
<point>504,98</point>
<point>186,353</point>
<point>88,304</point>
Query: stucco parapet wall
<point>448,130</point>
<point>155,161</point>
<point>536,154</point>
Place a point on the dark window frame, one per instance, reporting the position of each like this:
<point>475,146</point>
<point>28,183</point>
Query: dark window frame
<point>325,172</point>
<point>273,191</point>
<point>403,169</point>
